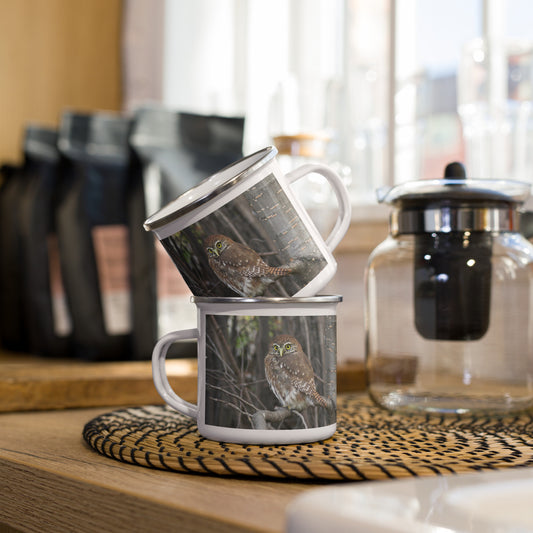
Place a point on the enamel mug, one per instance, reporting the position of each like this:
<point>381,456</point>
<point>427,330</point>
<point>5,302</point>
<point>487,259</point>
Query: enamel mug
<point>266,369</point>
<point>243,232</point>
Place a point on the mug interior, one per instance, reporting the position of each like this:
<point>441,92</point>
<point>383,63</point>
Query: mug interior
<point>209,187</point>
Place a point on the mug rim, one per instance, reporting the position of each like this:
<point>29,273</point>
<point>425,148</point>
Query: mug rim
<point>168,213</point>
<point>319,298</point>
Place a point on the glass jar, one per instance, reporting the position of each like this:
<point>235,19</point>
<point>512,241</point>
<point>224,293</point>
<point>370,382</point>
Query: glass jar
<point>449,296</point>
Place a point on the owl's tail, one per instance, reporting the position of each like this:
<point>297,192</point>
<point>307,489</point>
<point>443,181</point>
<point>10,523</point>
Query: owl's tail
<point>321,401</point>
<point>278,272</point>
<point>300,265</point>
<point>295,266</point>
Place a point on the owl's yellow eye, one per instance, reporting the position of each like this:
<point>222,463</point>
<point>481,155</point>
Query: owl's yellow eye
<point>276,347</point>
<point>218,244</point>
<point>287,346</point>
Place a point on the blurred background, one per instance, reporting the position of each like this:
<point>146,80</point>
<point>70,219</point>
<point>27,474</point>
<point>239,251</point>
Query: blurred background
<point>383,91</point>
<point>444,75</point>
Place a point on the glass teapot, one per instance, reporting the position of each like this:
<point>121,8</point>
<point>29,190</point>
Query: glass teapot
<point>449,298</point>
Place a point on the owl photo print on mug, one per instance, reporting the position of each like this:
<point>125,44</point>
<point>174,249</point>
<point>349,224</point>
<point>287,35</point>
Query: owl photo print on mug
<point>242,232</point>
<point>266,369</point>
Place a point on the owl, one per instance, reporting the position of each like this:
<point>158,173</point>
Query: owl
<point>290,375</point>
<point>241,268</point>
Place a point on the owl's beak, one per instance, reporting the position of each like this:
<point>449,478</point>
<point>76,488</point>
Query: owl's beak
<point>281,352</point>
<point>212,251</point>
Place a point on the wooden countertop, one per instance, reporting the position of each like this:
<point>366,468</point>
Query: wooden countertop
<point>51,480</point>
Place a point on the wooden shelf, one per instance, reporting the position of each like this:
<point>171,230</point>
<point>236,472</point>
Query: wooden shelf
<point>29,383</point>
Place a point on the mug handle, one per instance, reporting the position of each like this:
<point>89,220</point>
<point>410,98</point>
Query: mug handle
<point>343,199</point>
<point>159,374</point>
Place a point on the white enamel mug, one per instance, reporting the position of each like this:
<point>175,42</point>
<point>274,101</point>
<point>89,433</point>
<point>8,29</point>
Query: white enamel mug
<point>266,369</point>
<point>243,232</point>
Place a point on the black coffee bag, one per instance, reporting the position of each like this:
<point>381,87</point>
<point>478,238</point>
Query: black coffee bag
<point>93,233</point>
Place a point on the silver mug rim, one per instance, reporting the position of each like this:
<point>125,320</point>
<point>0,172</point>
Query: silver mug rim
<point>156,221</point>
<point>283,300</point>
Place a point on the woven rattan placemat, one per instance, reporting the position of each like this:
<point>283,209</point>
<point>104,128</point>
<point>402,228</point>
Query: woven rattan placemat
<point>370,443</point>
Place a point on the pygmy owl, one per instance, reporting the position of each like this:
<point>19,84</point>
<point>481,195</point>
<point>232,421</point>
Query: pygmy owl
<point>290,375</point>
<point>241,268</point>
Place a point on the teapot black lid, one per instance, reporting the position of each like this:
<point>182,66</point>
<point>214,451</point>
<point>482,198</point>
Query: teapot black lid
<point>454,188</point>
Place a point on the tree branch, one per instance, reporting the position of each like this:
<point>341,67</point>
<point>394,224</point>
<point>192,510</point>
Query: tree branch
<point>262,419</point>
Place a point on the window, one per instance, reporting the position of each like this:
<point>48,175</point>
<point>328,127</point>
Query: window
<point>463,88</point>
<point>454,78</point>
